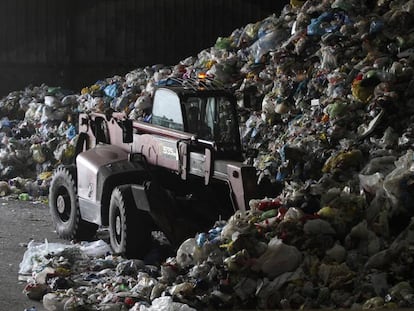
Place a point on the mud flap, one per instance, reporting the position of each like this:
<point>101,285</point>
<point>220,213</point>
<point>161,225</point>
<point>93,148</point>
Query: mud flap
<point>155,201</point>
<point>161,209</point>
<point>140,197</point>
<point>161,206</point>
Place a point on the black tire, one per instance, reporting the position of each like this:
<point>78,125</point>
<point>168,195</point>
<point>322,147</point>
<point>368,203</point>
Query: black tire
<point>64,207</point>
<point>129,228</point>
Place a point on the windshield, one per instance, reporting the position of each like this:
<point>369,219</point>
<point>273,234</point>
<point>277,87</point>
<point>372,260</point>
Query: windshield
<point>166,110</point>
<point>213,119</point>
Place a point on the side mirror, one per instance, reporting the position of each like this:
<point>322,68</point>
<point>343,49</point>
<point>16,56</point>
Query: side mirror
<point>127,134</point>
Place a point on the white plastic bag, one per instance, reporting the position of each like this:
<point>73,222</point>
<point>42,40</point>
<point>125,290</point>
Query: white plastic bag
<point>188,253</point>
<point>96,248</point>
<point>166,303</point>
<point>278,258</point>
<point>35,253</point>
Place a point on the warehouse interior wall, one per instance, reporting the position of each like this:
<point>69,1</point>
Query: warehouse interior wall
<point>74,43</point>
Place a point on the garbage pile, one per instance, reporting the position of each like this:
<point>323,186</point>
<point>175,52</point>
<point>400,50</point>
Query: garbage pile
<point>37,132</point>
<point>327,92</point>
<point>272,257</point>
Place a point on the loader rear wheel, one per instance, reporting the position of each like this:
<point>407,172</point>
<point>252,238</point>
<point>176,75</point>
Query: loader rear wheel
<point>129,228</point>
<point>64,207</point>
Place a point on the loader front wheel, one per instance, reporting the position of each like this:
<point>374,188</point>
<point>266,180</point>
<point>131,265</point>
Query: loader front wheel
<point>129,228</point>
<point>64,207</point>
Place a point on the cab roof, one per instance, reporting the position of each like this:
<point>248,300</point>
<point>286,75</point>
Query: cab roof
<point>192,86</point>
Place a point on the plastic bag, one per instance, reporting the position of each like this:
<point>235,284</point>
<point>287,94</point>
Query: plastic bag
<point>371,183</point>
<point>111,90</point>
<point>96,248</point>
<point>293,214</point>
<point>318,226</point>
<point>71,132</point>
<point>337,253</point>
<point>4,188</point>
<point>237,223</point>
<point>278,258</point>
<point>37,153</point>
<point>54,302</point>
<point>188,253</point>
<point>328,58</point>
<point>267,291</point>
<point>337,109</point>
<point>223,43</point>
<point>364,239</point>
<point>327,22</point>
<point>267,43</point>
<point>383,165</point>
<point>397,183</point>
<point>269,104</point>
<point>221,72</point>
<point>51,101</point>
<point>330,274</point>
<point>166,303</point>
<point>34,255</point>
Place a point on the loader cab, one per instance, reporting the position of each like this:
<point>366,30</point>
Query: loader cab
<point>209,115</point>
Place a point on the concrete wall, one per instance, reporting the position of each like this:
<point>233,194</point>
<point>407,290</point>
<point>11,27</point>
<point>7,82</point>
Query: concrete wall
<point>74,43</point>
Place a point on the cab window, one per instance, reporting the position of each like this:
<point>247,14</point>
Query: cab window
<point>213,118</point>
<point>166,110</point>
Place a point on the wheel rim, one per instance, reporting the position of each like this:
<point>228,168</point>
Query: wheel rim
<point>118,227</point>
<point>63,204</point>
<point>60,204</point>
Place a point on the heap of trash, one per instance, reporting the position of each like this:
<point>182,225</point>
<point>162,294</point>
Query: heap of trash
<point>326,96</point>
